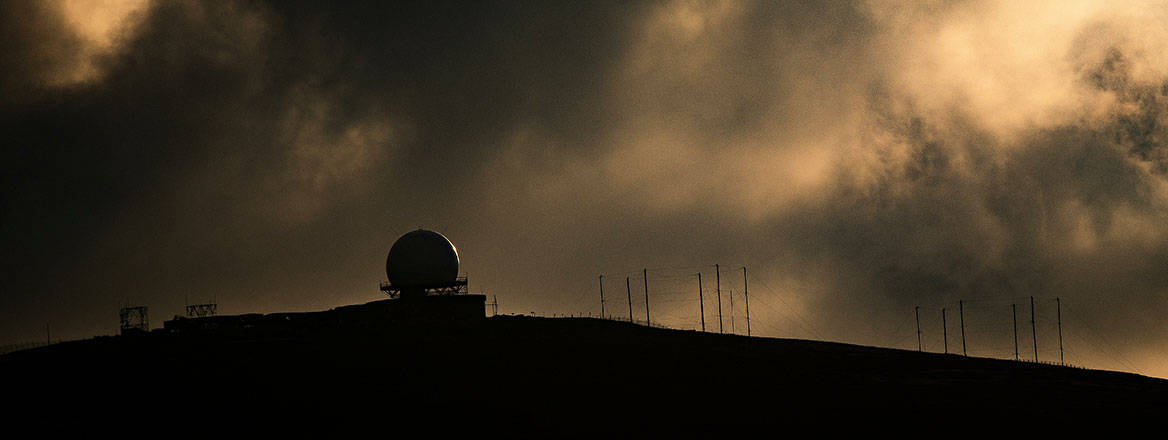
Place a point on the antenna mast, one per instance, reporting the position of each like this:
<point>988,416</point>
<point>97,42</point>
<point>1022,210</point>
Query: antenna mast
<point>602,297</point>
<point>701,302</point>
<point>629,293</point>
<point>917,313</point>
<point>645,282</point>
<point>1033,332</point>
<point>961,310</point>
<point>944,330</point>
<point>1059,309</point>
<point>746,295</point>
<point>718,288</point>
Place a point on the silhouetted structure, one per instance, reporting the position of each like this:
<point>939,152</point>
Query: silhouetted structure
<point>369,315</point>
<point>202,310</point>
<point>134,320</point>
<point>718,289</point>
<point>629,296</point>
<point>422,268</point>
<point>645,283</point>
<point>424,285</point>
<point>602,296</point>
<point>944,331</point>
<point>917,314</point>
<point>746,296</point>
<point>701,302</point>
<point>1014,316</point>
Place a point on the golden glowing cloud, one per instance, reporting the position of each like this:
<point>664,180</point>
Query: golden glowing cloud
<point>97,25</point>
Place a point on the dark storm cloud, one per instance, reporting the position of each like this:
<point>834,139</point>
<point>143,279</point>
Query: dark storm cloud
<point>863,157</point>
<point>222,143</point>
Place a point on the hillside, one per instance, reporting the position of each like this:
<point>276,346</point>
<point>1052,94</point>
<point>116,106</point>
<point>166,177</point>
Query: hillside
<point>548,372</point>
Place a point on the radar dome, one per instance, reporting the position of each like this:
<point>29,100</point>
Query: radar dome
<point>422,259</point>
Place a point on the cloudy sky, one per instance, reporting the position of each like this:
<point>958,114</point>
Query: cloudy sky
<point>861,158</point>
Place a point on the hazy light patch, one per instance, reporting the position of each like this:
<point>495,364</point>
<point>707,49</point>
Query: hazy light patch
<point>773,179</point>
<point>328,157</point>
<point>708,112</point>
<point>687,20</point>
<point>546,176</point>
<point>1005,64</point>
<point>98,25</point>
<point>786,303</point>
<point>1131,228</point>
<point>662,169</point>
<point>1082,236</point>
<point>99,21</point>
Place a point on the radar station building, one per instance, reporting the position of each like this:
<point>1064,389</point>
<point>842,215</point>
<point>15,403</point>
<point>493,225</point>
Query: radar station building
<point>424,286</point>
<point>422,268</point>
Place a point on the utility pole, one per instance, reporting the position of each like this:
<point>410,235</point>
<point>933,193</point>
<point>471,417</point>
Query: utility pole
<point>746,295</point>
<point>1059,310</point>
<point>701,302</point>
<point>917,313</point>
<point>944,331</point>
<point>629,293</point>
<point>961,311</point>
<point>645,275</point>
<point>718,288</point>
<point>1032,329</point>
<point>1014,311</point>
<point>48,335</point>
<point>602,297</point>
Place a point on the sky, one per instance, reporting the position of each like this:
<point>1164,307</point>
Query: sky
<point>860,158</point>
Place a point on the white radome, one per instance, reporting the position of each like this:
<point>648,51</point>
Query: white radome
<point>421,259</point>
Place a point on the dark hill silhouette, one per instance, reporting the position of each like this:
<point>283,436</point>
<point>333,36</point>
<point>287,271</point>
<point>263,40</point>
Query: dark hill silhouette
<point>563,372</point>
